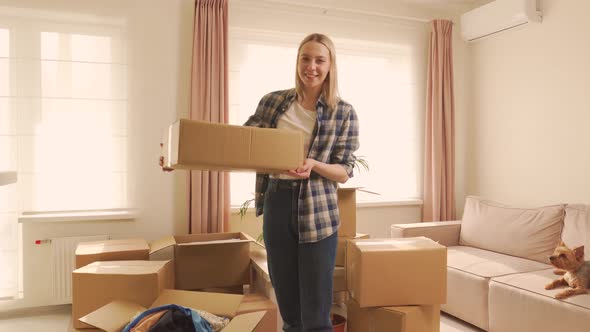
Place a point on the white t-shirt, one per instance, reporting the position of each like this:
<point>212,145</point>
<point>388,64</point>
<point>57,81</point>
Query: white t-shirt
<point>298,118</point>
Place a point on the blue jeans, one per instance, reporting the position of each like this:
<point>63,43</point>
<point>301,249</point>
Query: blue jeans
<point>301,273</point>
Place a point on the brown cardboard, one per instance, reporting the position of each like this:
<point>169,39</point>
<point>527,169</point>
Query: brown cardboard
<point>347,212</point>
<point>250,318</point>
<point>425,318</point>
<point>99,283</point>
<point>245,323</point>
<point>341,248</point>
<point>225,305</point>
<point>215,146</point>
<point>340,297</point>
<point>257,303</point>
<point>226,290</point>
<point>113,316</point>
<point>339,279</point>
<point>390,272</point>
<point>206,260</point>
<point>111,250</point>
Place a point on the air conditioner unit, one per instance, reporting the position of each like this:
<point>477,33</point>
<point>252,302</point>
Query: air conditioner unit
<point>498,16</point>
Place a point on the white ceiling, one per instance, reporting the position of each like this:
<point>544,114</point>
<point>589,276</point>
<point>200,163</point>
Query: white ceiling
<point>440,2</point>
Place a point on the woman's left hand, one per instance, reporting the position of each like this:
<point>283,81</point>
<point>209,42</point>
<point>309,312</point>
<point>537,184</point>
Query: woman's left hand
<point>303,171</point>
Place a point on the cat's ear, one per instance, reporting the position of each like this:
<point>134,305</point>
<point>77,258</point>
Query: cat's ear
<point>579,252</point>
<point>561,244</point>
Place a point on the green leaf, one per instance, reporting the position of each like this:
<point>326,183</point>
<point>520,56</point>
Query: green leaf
<point>361,161</point>
<point>260,238</point>
<point>244,207</point>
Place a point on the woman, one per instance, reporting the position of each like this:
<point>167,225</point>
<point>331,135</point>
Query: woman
<point>300,206</point>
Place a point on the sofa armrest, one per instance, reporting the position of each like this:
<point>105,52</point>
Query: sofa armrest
<point>443,232</point>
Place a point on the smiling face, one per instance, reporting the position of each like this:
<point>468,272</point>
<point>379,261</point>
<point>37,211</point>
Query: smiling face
<point>313,65</point>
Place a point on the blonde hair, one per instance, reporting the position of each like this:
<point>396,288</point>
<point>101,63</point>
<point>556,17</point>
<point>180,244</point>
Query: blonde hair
<point>330,85</point>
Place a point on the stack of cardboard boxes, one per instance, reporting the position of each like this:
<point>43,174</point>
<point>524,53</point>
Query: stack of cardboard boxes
<point>388,285</point>
<point>395,285</point>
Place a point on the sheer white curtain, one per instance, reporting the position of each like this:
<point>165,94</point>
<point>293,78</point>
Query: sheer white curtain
<point>63,120</point>
<point>8,194</point>
<point>383,81</point>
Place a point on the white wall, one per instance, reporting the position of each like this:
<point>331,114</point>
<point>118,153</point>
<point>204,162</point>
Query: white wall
<point>528,115</point>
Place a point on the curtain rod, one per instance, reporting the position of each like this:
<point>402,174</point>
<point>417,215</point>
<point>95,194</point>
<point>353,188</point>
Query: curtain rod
<point>327,9</point>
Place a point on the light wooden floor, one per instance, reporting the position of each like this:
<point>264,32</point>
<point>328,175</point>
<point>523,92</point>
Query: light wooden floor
<point>57,319</point>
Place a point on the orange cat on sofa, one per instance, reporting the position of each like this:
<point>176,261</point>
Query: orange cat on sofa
<point>576,272</point>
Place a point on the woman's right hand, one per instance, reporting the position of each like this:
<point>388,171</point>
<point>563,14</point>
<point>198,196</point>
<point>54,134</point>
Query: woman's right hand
<point>161,162</point>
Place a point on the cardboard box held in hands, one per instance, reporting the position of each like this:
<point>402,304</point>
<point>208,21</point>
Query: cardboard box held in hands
<point>191,144</point>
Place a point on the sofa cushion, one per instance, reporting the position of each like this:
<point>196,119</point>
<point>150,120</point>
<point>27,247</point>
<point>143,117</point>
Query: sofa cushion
<point>520,302</point>
<point>489,264</point>
<point>468,274</point>
<point>528,233</point>
<point>467,297</point>
<point>576,227</point>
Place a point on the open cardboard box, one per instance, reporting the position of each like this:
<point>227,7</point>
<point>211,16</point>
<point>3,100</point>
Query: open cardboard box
<point>99,283</point>
<point>206,260</point>
<point>114,316</point>
<point>191,144</point>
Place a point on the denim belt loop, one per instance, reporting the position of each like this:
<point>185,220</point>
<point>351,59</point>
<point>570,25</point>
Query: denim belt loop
<point>277,184</point>
<point>272,185</point>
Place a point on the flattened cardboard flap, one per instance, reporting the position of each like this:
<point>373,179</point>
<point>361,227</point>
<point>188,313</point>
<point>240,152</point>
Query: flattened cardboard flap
<point>245,322</point>
<point>225,305</point>
<point>114,316</point>
<point>122,267</point>
<point>212,238</point>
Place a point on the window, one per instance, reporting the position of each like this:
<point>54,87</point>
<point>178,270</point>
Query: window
<point>8,214</point>
<point>70,104</point>
<point>63,120</point>
<point>379,79</point>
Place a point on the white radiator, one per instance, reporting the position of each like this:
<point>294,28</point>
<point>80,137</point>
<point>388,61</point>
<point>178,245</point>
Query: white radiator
<point>63,262</point>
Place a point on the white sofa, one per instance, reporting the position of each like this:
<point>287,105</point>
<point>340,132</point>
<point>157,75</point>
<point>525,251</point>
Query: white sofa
<point>497,265</point>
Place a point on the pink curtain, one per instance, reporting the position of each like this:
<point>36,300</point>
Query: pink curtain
<point>209,190</point>
<point>439,148</point>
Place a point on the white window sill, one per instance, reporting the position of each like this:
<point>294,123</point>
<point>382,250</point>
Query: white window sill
<point>359,205</point>
<point>68,216</point>
<point>401,202</point>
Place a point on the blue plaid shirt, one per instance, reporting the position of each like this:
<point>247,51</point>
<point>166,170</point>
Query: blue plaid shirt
<point>334,141</point>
